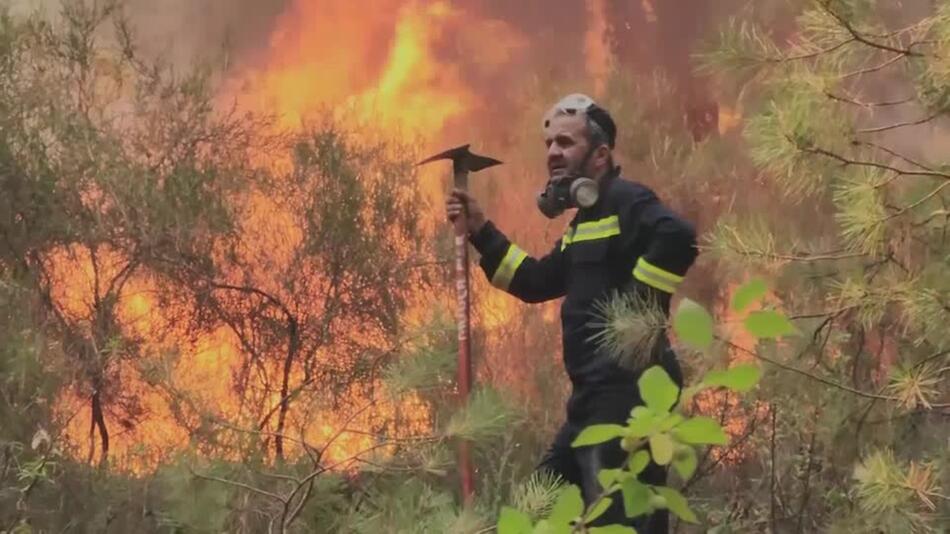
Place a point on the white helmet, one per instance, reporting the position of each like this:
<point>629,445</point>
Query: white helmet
<point>569,105</point>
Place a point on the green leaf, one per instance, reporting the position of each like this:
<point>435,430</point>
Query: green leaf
<point>693,324</point>
<point>739,378</point>
<point>672,420</point>
<point>569,506</point>
<point>750,292</point>
<point>546,527</point>
<point>598,510</point>
<point>661,446</point>
<point>701,430</point>
<point>769,324</point>
<point>685,461</point>
<point>657,390</point>
<point>512,521</point>
<point>643,424</point>
<point>607,477</point>
<point>641,411</point>
<point>639,462</point>
<point>636,497</point>
<point>677,503</point>
<point>613,529</point>
<point>595,434</point>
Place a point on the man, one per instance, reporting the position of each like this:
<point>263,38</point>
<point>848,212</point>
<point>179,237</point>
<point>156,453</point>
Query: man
<point>622,240</point>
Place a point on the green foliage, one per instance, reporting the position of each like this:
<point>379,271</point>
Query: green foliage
<point>768,324</point>
<point>627,327</point>
<point>741,378</point>
<point>657,431</point>
<point>409,506</point>
<point>486,416</point>
<point>862,214</point>
<point>898,498</point>
<point>536,495</point>
<point>421,371</point>
<point>750,293</point>
<point>844,110</point>
<point>193,504</point>
<point>693,324</point>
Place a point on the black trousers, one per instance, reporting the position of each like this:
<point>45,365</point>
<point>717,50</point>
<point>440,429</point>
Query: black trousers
<point>579,466</point>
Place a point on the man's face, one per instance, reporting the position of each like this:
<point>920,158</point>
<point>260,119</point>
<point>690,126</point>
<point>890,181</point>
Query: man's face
<point>566,139</point>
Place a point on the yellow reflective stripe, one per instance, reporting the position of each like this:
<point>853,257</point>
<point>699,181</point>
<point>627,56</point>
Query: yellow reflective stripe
<point>593,230</point>
<point>654,276</point>
<point>568,237</point>
<point>508,267</point>
<point>662,274</point>
<point>648,279</point>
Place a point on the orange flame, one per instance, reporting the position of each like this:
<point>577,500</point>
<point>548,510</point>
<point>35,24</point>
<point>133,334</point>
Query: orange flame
<point>334,53</point>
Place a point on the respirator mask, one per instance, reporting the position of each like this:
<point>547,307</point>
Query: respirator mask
<point>571,190</point>
<point>568,191</point>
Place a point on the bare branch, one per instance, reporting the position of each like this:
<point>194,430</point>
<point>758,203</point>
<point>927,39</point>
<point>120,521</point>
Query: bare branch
<point>924,199</point>
<point>895,154</point>
<point>807,374</point>
<point>854,101</point>
<point>239,485</point>
<point>875,68</point>
<point>809,55</point>
<point>872,164</point>
<point>888,127</point>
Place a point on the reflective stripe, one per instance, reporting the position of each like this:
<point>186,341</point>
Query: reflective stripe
<point>508,267</point>
<point>591,231</point>
<point>654,276</point>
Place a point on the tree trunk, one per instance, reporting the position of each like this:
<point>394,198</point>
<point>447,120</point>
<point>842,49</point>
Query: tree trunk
<point>98,420</point>
<point>292,348</point>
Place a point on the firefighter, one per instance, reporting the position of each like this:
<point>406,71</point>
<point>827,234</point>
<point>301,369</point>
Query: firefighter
<point>621,240</point>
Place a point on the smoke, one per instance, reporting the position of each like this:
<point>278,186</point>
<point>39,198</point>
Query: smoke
<point>186,31</point>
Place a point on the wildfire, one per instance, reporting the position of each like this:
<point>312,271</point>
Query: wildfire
<point>369,65</point>
<point>406,69</point>
<point>385,67</point>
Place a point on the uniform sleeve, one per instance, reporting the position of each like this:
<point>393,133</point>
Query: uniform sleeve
<point>659,244</point>
<point>509,268</point>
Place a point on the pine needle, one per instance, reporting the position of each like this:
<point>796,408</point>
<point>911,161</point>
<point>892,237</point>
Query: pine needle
<point>916,386</point>
<point>628,328</point>
<point>486,417</point>
<point>537,494</point>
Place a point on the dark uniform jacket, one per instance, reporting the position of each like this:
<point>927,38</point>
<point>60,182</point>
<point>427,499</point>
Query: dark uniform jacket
<point>628,241</point>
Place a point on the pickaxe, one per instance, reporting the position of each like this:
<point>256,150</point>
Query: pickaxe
<point>463,162</point>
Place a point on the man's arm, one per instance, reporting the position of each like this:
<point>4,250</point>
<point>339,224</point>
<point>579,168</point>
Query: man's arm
<point>506,265</point>
<point>511,269</point>
<point>661,247</point>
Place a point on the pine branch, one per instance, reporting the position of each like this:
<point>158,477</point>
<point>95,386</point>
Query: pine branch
<point>833,313</point>
<point>926,197</point>
<point>875,68</point>
<point>895,154</point>
<point>806,374</point>
<point>805,257</point>
<point>861,38</point>
<point>854,101</point>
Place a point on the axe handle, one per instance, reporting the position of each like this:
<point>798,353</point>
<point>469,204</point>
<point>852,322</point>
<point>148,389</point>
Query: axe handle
<point>463,304</point>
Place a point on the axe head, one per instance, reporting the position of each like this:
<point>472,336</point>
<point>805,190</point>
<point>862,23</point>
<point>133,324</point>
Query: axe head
<point>463,160</point>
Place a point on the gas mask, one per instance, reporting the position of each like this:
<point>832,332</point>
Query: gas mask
<point>566,192</point>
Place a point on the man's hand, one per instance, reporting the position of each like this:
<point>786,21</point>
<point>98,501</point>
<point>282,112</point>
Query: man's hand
<point>460,203</point>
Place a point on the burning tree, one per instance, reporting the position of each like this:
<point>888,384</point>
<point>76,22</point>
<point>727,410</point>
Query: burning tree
<point>111,168</point>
